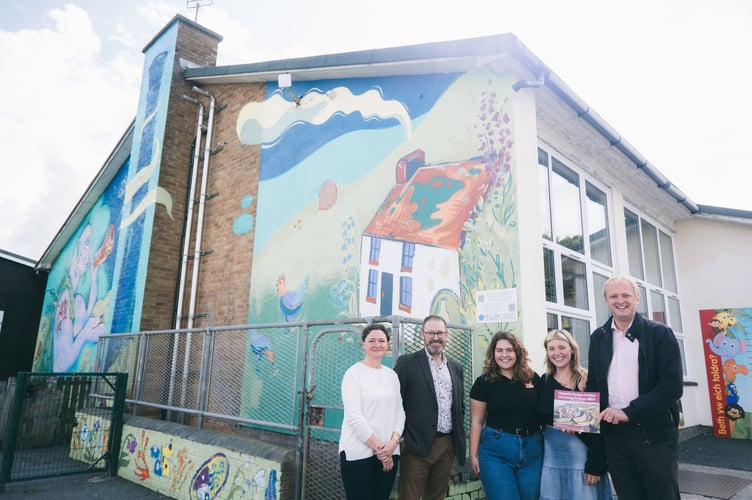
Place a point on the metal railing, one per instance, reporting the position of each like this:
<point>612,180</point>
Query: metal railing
<point>279,382</point>
<point>63,423</point>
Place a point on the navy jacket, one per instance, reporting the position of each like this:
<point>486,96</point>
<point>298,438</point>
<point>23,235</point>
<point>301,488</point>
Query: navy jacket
<point>660,377</point>
<point>422,408</point>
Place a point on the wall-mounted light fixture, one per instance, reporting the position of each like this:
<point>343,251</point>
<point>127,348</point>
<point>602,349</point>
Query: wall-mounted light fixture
<point>284,81</point>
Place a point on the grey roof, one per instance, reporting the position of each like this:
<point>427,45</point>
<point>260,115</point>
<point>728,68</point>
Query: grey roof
<point>435,57</point>
<point>450,56</point>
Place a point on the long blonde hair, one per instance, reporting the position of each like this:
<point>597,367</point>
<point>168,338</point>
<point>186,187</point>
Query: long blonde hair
<point>578,372</point>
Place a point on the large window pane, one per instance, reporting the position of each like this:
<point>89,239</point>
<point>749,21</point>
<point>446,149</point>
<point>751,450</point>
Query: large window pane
<point>597,223</point>
<point>549,268</point>
<point>565,207</point>
<point>552,321</point>
<point>574,282</point>
<point>601,309</point>
<point>545,201</point>
<point>667,262</point>
<point>642,305</point>
<point>674,315</point>
<point>580,330</point>
<point>650,252</point>
<point>659,307</point>
<point>634,252</point>
<point>683,357</point>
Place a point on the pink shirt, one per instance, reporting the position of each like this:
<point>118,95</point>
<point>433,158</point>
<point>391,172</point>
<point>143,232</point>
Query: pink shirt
<point>623,386</point>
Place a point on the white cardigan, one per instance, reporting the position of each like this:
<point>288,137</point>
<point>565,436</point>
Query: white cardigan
<point>373,406</point>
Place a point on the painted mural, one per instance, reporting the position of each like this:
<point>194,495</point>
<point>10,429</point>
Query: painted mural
<point>96,284</point>
<point>726,335</point>
<point>382,196</point>
<point>187,469</point>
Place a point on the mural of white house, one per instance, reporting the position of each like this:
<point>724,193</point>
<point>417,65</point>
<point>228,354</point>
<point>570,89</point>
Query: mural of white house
<point>410,248</point>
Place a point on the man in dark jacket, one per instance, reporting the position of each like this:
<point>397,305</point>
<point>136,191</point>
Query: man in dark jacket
<point>433,396</point>
<point>635,365</point>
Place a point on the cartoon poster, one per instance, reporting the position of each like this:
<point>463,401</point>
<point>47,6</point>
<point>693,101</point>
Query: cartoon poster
<point>725,335</point>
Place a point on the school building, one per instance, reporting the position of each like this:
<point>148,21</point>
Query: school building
<point>463,178</point>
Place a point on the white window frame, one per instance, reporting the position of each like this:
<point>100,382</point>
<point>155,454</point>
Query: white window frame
<point>559,308</point>
<point>647,289</point>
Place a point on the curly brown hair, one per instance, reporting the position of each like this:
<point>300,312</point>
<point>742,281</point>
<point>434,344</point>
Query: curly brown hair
<point>521,371</point>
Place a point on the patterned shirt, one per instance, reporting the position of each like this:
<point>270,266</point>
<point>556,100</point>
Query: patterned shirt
<point>442,381</point>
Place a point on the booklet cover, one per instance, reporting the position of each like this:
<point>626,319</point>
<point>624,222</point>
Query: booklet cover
<point>577,411</point>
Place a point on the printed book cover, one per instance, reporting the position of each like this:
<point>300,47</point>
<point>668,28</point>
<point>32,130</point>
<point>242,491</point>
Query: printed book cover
<point>577,411</point>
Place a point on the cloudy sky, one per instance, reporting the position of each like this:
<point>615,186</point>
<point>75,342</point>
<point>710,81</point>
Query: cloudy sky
<point>672,77</point>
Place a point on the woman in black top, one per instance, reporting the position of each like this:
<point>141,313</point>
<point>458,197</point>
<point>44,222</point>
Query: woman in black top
<point>506,444</point>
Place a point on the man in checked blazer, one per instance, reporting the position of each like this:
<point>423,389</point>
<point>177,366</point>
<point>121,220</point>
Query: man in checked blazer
<point>433,396</point>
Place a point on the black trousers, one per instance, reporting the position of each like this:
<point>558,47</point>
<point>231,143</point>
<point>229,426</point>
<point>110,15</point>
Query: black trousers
<point>641,470</point>
<point>365,479</point>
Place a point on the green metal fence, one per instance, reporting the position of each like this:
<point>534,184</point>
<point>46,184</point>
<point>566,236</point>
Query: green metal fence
<point>277,382</point>
<point>332,352</point>
<point>63,423</point>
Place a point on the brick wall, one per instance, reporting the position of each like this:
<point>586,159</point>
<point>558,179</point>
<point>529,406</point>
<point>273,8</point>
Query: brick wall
<point>225,273</point>
<point>199,46</point>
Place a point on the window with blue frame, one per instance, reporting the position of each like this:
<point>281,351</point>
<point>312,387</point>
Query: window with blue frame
<point>373,276</point>
<point>406,293</point>
<point>408,254</point>
<point>373,255</point>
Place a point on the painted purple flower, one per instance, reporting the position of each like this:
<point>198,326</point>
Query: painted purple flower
<point>131,444</point>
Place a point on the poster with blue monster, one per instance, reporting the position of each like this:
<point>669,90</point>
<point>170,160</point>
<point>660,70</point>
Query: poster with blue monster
<point>725,334</point>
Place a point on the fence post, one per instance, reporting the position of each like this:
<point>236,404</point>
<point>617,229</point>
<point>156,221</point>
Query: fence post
<point>11,432</point>
<point>204,375</point>
<point>139,371</point>
<point>116,426</point>
<point>301,443</point>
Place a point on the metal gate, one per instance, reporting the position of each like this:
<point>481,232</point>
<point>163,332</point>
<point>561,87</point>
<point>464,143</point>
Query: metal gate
<point>63,423</point>
<point>332,351</point>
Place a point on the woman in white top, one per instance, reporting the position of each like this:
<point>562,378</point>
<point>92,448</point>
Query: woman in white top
<point>373,421</point>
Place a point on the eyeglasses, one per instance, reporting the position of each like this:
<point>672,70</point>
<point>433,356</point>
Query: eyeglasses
<point>435,334</point>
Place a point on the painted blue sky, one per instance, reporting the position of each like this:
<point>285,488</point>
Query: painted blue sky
<point>416,94</point>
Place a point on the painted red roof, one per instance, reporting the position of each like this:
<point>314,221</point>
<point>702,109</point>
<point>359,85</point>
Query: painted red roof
<point>433,205</point>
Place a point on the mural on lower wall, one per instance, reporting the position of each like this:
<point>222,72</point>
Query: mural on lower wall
<point>380,196</point>
<point>194,470</point>
<point>726,339</point>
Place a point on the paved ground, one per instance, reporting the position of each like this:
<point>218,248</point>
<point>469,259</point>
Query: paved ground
<point>93,485</point>
<point>700,449</point>
<point>744,494</point>
<point>728,461</point>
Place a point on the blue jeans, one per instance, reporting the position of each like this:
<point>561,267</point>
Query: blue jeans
<point>510,466</point>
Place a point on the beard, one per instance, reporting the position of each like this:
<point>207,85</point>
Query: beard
<point>435,348</point>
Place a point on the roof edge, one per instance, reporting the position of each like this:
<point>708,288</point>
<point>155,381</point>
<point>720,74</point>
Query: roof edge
<point>432,51</point>
<point>182,19</point>
<point>105,175</point>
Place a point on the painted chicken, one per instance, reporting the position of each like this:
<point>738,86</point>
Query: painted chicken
<point>290,301</point>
